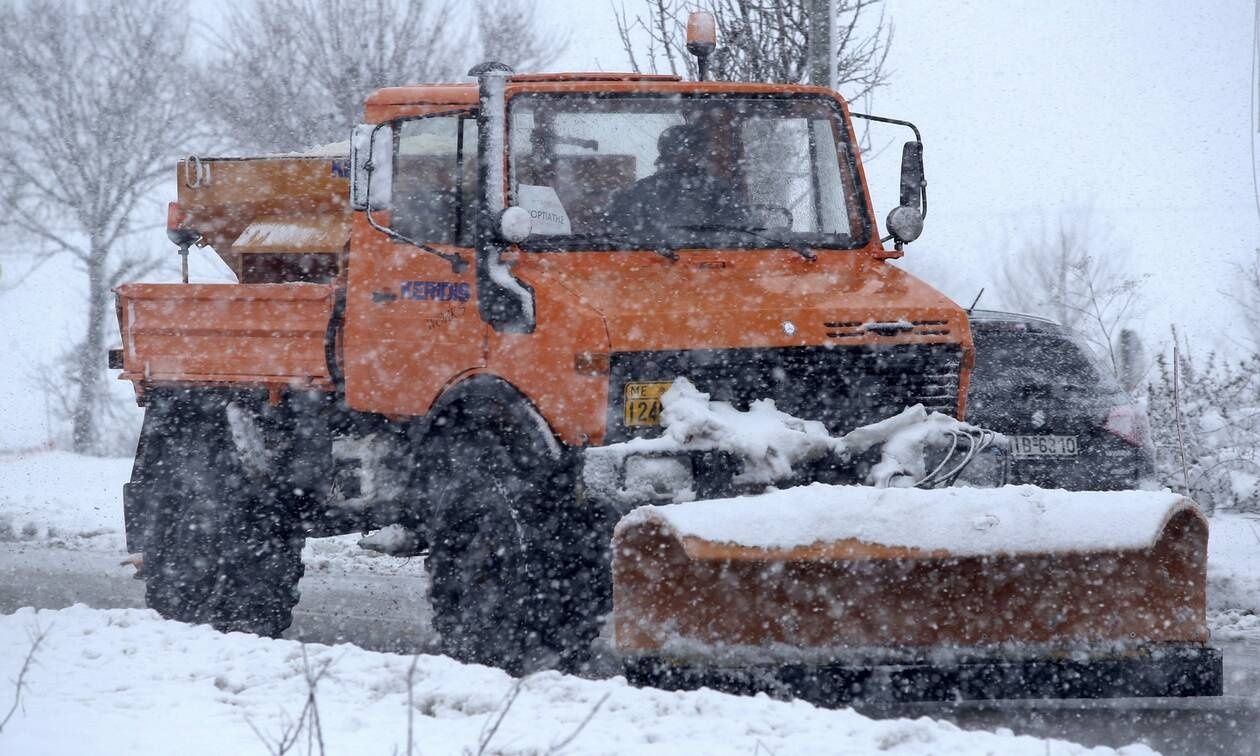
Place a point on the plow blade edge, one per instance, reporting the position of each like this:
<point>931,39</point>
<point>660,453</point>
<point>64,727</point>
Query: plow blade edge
<point>898,595</point>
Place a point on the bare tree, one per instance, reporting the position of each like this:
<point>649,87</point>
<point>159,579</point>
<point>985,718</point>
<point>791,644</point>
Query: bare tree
<point>37,636</point>
<point>1205,423</point>
<point>1074,273</point>
<point>90,116</point>
<point>1245,293</point>
<point>760,40</point>
<point>1134,364</point>
<point>308,721</point>
<point>508,32</point>
<point>291,74</point>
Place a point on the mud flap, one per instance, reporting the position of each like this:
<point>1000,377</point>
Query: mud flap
<point>1173,671</point>
<point>137,519</point>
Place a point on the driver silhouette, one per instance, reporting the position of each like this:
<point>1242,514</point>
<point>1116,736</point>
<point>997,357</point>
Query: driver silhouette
<point>685,190</point>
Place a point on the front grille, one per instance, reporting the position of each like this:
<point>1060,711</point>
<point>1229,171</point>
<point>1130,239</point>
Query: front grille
<point>843,387</point>
<point>859,330</point>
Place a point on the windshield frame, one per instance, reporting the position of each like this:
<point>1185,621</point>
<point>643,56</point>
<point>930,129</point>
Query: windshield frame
<point>851,183</point>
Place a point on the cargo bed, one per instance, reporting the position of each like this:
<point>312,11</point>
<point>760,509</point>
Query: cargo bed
<point>259,335</point>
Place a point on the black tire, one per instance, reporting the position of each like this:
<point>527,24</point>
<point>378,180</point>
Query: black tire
<point>222,550</point>
<point>518,573</point>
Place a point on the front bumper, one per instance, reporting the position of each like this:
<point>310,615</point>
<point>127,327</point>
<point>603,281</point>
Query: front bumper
<point>1163,671</point>
<point>617,478</point>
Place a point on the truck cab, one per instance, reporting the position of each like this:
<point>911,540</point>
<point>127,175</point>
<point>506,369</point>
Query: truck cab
<point>748,258</point>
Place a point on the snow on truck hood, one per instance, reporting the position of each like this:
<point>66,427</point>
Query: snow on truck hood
<point>963,522</point>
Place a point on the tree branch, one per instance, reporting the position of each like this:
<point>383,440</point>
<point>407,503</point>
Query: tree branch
<point>37,636</point>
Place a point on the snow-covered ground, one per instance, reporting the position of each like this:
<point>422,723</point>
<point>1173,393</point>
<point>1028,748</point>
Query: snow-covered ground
<point>124,681</point>
<point>1234,577</point>
<point>1234,562</point>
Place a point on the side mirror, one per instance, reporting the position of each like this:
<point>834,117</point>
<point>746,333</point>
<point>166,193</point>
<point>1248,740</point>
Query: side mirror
<point>515,225</point>
<point>912,181</point>
<point>371,167</point>
<point>905,222</point>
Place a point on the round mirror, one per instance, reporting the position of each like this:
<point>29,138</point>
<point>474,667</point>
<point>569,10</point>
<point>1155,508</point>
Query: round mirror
<point>905,223</point>
<point>515,224</point>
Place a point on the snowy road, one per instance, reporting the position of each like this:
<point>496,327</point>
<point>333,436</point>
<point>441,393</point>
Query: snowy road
<point>378,610</point>
<point>60,544</point>
<point>378,603</point>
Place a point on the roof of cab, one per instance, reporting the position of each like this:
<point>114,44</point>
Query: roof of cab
<point>466,93</point>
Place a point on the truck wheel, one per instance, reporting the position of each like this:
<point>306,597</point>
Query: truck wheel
<point>222,550</point>
<point>515,581</point>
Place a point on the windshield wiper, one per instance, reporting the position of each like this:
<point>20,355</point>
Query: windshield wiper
<point>627,240</point>
<point>801,249</point>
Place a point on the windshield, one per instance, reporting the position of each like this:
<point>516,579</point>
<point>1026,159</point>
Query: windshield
<point>639,171</point>
<point>1014,365</point>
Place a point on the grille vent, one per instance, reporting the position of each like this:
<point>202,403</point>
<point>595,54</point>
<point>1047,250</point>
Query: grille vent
<point>855,330</point>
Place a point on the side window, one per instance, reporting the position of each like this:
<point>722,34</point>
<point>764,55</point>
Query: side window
<point>435,175</point>
<point>833,205</point>
<point>777,164</point>
<point>792,169</point>
<point>567,167</point>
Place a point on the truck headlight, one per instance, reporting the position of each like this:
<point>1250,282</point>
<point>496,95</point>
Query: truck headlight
<point>658,478</point>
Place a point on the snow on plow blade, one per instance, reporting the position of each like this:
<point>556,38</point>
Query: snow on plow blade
<point>840,593</point>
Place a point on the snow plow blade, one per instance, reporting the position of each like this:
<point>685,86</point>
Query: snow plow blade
<point>836,594</point>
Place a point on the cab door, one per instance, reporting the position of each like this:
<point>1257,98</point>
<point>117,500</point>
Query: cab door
<point>412,323</point>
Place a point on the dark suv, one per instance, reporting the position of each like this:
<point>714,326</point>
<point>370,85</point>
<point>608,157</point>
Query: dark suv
<point>1069,423</point>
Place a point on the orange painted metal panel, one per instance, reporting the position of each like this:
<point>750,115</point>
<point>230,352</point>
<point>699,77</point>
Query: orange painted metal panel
<point>707,299</point>
<point>222,197</point>
<point>225,333</point>
<point>669,591</point>
<point>402,354</point>
<point>710,299</point>
<point>405,340</point>
<point>401,351</point>
<point>543,365</point>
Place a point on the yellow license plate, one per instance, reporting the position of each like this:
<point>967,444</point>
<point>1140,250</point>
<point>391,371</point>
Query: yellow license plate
<point>643,402</point>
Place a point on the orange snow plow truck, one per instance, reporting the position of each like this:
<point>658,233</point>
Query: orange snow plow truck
<point>600,343</point>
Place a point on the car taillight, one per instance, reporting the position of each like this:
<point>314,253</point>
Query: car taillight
<point>1130,423</point>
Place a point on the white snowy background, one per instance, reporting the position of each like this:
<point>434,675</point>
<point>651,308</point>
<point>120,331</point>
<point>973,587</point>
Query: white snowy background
<point>1140,110</point>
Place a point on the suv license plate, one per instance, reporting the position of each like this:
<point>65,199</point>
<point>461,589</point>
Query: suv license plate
<point>1043,446</point>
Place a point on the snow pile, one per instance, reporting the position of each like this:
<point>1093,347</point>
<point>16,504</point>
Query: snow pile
<point>391,539</point>
<point>1234,624</point>
<point>961,521</point>
<point>125,682</point>
<point>1234,562</point>
<point>62,498</point>
<point>905,438</point>
<point>770,443</point>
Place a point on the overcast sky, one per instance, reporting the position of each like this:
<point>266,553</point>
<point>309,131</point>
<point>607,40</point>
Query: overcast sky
<point>1028,109</point>
<point>1139,108</point>
<point>1031,109</point>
